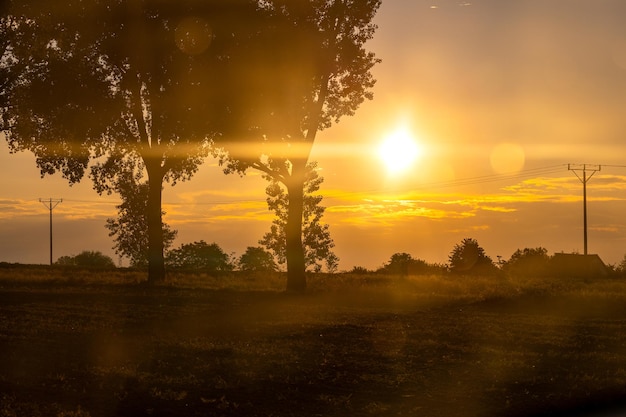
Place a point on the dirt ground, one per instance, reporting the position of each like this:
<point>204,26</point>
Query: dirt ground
<point>134,351</point>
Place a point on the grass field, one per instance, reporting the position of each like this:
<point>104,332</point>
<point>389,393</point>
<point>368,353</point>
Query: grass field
<point>99,344</point>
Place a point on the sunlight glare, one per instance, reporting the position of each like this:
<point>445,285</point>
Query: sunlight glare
<point>399,150</point>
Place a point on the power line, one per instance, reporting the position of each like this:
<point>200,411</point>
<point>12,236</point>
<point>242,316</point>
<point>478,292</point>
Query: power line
<point>50,204</point>
<point>477,180</point>
<point>529,173</point>
<point>584,179</point>
<point>494,178</point>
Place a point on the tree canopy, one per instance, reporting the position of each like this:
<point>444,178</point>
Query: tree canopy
<point>136,84</point>
<point>316,240</point>
<point>324,73</point>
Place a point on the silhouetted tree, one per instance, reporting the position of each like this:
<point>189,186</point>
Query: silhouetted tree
<point>133,81</point>
<point>317,243</point>
<point>404,264</point>
<point>398,264</point>
<point>13,29</point>
<point>620,268</point>
<point>528,261</point>
<point>129,230</point>
<point>322,72</point>
<point>257,259</point>
<point>199,256</point>
<point>469,258</point>
<point>87,259</point>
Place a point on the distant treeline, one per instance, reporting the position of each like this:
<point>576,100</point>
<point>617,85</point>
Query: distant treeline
<point>467,258</point>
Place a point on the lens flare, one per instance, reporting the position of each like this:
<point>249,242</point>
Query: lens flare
<point>507,157</point>
<point>193,35</point>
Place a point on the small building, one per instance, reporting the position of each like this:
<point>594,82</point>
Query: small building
<point>576,265</point>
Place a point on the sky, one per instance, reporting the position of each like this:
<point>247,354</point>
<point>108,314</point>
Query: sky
<point>500,96</point>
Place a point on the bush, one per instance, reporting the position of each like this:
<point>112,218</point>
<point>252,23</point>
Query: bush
<point>257,260</point>
<point>199,256</point>
<point>359,270</point>
<point>87,259</point>
<point>404,264</point>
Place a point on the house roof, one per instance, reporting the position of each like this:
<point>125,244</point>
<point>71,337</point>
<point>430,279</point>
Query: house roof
<point>575,264</point>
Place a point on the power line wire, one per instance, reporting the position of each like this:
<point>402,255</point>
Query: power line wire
<point>529,173</point>
<point>483,179</point>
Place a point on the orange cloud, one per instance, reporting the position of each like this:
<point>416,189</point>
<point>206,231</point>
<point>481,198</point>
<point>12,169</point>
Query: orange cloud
<point>68,209</point>
<point>374,209</point>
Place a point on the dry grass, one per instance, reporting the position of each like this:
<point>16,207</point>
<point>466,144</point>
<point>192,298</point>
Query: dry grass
<point>87,344</point>
<point>448,286</point>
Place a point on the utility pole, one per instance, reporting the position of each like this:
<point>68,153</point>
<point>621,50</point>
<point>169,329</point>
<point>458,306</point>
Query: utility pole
<point>50,204</point>
<point>584,179</point>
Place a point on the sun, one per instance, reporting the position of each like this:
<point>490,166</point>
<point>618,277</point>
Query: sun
<point>399,150</point>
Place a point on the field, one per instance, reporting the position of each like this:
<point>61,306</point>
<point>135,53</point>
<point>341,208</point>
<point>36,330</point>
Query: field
<point>78,344</point>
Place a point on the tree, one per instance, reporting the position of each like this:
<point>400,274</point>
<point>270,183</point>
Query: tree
<point>528,261</point>
<point>129,229</point>
<point>621,267</point>
<point>316,241</point>
<point>199,256</point>
<point>10,67</point>
<point>404,264</point>
<point>470,259</point>
<point>322,72</point>
<point>119,83</point>
<point>257,259</point>
<point>87,259</point>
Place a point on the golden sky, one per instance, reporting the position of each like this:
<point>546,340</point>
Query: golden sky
<point>500,95</point>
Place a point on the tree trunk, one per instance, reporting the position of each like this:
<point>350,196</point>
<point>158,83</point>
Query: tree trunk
<point>156,261</point>
<point>296,278</point>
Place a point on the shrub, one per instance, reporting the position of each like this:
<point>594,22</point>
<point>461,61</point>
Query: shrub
<point>404,264</point>
<point>199,256</point>
<point>359,270</point>
<point>88,259</point>
<point>257,259</point>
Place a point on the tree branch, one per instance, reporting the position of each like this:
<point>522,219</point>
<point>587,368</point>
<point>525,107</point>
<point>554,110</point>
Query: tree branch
<point>258,165</point>
<point>137,112</point>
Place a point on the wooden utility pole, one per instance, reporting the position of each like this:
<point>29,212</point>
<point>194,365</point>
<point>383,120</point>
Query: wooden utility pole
<point>50,204</point>
<point>584,179</point>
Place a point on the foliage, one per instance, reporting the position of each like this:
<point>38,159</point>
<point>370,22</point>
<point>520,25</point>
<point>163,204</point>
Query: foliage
<point>399,264</point>
<point>404,264</point>
<point>469,258</point>
<point>359,270</point>
<point>88,259</point>
<point>129,229</point>
<point>620,268</point>
<point>528,261</point>
<point>199,256</point>
<point>320,72</point>
<point>122,83</point>
<point>316,242</point>
<point>257,259</point>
